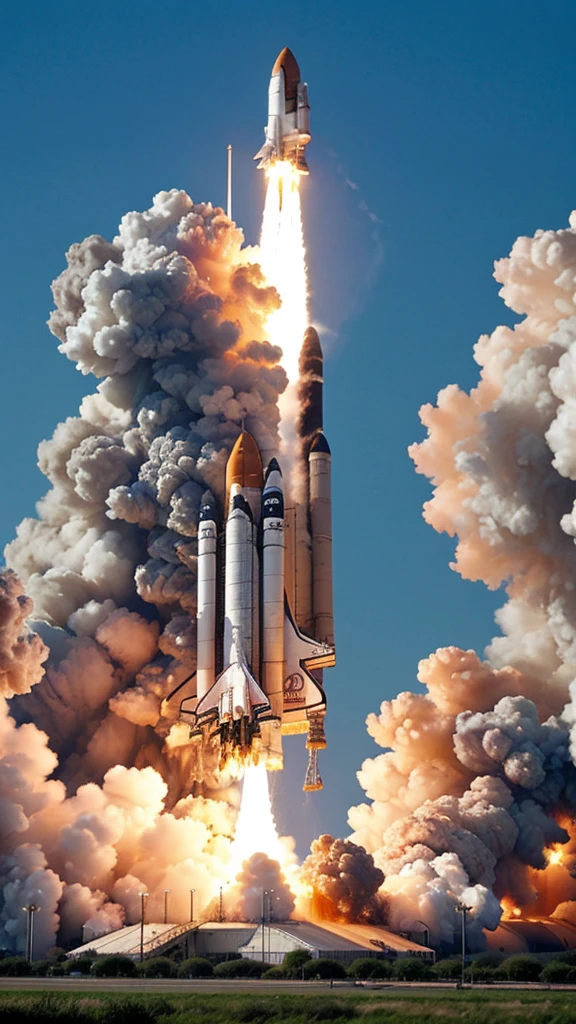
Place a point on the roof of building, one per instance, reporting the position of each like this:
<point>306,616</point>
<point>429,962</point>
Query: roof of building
<point>127,940</point>
<point>344,937</point>
<point>372,935</point>
<point>538,935</point>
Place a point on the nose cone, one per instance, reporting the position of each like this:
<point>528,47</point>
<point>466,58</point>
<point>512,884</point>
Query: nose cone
<point>287,61</point>
<point>244,466</point>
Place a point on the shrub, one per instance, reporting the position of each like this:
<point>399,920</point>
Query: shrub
<point>380,969</point>
<point>522,967</point>
<point>569,957</point>
<point>294,962</point>
<point>40,968</point>
<point>15,966</point>
<point>487,960</point>
<point>56,971</point>
<point>409,969</point>
<point>57,955</point>
<point>81,964</point>
<point>480,974</point>
<point>274,974</point>
<point>558,972</point>
<point>362,967</point>
<point>450,968</point>
<point>240,969</point>
<point>157,967</point>
<point>114,967</point>
<point>195,967</point>
<point>324,968</point>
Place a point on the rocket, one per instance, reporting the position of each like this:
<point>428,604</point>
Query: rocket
<point>265,624</point>
<point>288,131</point>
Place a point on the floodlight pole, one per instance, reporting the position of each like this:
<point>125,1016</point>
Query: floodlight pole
<point>143,897</point>
<point>166,891</point>
<point>30,909</point>
<point>461,909</point>
<point>192,891</point>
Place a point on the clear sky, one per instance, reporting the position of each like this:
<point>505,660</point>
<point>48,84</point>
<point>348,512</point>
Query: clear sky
<point>441,131</point>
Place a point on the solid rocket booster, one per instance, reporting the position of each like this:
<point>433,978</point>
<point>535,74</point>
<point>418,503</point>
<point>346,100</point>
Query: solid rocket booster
<point>288,130</point>
<point>206,613</point>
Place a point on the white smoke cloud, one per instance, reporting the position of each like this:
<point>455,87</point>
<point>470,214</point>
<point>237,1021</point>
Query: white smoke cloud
<point>480,777</point>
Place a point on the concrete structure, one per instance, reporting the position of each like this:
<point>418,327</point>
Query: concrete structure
<point>158,939</point>
<point>543,935</point>
<point>346,943</point>
<point>222,938</point>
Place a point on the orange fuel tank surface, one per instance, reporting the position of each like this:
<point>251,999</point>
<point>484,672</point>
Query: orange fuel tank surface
<point>244,467</point>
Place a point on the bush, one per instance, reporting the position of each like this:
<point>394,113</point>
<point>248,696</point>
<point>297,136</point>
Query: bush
<point>362,967</point>
<point>81,964</point>
<point>481,974</point>
<point>294,962</point>
<point>522,968</point>
<point>195,967</point>
<point>240,969</point>
<point>380,969</point>
<point>55,971</point>
<point>40,968</point>
<point>487,960</point>
<point>324,968</point>
<point>274,974</point>
<point>15,966</point>
<point>450,968</point>
<point>409,969</point>
<point>558,972</point>
<point>157,967</point>
<point>114,967</point>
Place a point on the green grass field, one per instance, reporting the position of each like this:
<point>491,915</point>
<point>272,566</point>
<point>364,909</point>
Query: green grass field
<point>382,1007</point>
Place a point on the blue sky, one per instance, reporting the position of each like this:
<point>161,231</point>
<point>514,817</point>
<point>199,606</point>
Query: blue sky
<point>455,123</point>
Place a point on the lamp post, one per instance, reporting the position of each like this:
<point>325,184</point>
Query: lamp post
<point>192,891</point>
<point>461,909</point>
<point>263,918</point>
<point>221,907</point>
<point>143,897</point>
<point>166,891</point>
<point>30,909</point>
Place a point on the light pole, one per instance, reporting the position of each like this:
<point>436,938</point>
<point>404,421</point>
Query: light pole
<point>192,891</point>
<point>143,897</point>
<point>221,907</point>
<point>271,891</point>
<point>166,891</point>
<point>263,918</point>
<point>461,909</point>
<point>30,909</point>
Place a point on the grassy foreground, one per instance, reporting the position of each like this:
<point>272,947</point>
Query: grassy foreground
<point>382,1007</point>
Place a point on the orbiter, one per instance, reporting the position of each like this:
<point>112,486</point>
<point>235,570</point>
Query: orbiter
<point>288,130</point>
<point>265,623</point>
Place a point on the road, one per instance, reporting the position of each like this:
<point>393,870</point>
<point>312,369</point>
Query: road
<point>212,987</point>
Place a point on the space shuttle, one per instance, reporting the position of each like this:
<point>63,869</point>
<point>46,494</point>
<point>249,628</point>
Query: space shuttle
<point>265,621</point>
<point>287,132</point>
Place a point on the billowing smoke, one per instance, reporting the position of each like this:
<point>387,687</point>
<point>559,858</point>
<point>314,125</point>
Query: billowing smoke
<point>100,791</point>
<point>260,891</point>
<point>343,881</point>
<point>478,781</point>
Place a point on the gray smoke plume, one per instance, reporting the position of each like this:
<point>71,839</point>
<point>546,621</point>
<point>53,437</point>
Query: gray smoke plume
<point>344,882</point>
<point>260,890</point>
<point>479,779</point>
<point>97,784</point>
